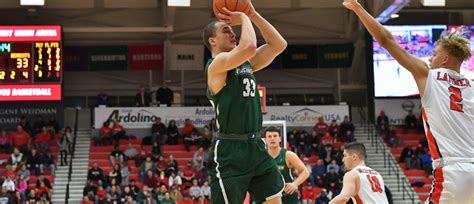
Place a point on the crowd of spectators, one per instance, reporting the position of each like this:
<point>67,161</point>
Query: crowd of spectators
<point>161,180</point>
<point>163,96</point>
<point>30,160</point>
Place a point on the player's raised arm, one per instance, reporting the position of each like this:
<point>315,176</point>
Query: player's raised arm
<point>274,42</point>
<point>296,163</point>
<point>349,188</point>
<point>245,50</point>
<point>417,67</point>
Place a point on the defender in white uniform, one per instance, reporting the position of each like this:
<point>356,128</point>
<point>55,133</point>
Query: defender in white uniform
<point>361,183</point>
<point>448,102</point>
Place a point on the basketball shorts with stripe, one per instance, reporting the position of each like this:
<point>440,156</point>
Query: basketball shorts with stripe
<point>240,166</point>
<point>453,184</point>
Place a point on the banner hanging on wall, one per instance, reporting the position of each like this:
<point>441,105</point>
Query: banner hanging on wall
<point>186,57</point>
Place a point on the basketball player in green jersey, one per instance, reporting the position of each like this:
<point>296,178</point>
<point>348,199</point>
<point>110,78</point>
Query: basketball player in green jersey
<point>239,162</point>
<point>286,161</point>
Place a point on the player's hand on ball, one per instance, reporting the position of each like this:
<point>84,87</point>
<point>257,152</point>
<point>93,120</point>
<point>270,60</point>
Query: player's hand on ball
<point>290,188</point>
<point>232,18</point>
<point>350,4</point>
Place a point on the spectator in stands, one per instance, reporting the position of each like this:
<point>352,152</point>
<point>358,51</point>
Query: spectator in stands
<point>113,195</point>
<point>156,150</point>
<point>161,164</point>
<point>5,197</point>
<point>64,146</point>
<point>26,125</point>
<point>173,133</point>
<point>9,185</point>
<point>105,134</point>
<point>292,140</point>
<point>21,186</point>
<point>318,170</point>
<point>131,153</point>
<point>134,189</point>
<point>125,194</point>
<point>167,199</point>
<point>46,161</point>
<point>143,98</point>
<point>406,152</point>
<point>116,155</point>
<point>21,139</point>
<point>5,141</point>
<point>346,128</point>
<point>164,95</point>
<point>382,123</point>
<point>314,142</point>
<point>95,174</point>
<point>125,172</point>
<point>195,190</point>
<point>322,198</point>
<point>23,171</point>
<point>321,127</point>
<point>333,165</point>
<point>32,198</point>
<point>43,180</point>
<point>327,139</point>
<point>42,140</point>
<point>426,162</point>
<point>392,139</point>
<point>70,136</point>
<point>102,98</point>
<point>411,121</point>
<point>206,190</point>
<point>206,137</point>
<point>413,161</point>
<point>100,195</point>
<point>53,126</point>
<point>43,192</point>
<point>16,158</point>
<point>333,129</point>
<point>159,131</point>
<point>175,194</point>
<point>118,132</point>
<point>141,196</point>
<point>188,127</point>
<point>331,177</point>
<point>150,179</point>
<point>199,158</point>
<point>175,180</point>
<point>193,138</point>
<point>420,127</point>
<point>339,154</point>
<point>172,166</point>
<point>188,173</point>
<point>162,179</point>
<point>33,162</point>
<point>309,194</point>
<point>327,154</point>
<point>38,125</point>
<point>90,189</point>
<point>86,200</point>
<point>147,165</point>
<point>115,174</point>
<point>160,193</point>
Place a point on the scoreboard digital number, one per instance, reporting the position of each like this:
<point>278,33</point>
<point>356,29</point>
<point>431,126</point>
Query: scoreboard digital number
<point>30,63</point>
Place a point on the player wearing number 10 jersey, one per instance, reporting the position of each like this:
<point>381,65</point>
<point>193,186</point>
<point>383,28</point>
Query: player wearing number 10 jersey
<point>448,107</point>
<point>361,183</point>
<point>239,162</point>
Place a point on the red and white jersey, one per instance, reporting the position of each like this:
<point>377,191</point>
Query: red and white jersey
<point>372,187</point>
<point>448,114</point>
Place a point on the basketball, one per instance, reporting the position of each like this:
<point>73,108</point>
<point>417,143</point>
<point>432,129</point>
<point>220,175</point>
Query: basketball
<point>232,5</point>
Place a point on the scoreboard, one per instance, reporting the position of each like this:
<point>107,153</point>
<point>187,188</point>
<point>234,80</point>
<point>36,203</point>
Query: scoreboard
<point>30,63</point>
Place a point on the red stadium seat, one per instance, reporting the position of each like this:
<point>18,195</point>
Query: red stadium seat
<point>133,141</point>
<point>423,197</point>
<point>179,154</point>
<point>95,149</point>
<point>396,151</point>
<point>415,172</point>
<point>403,166</point>
<point>422,189</point>
<point>411,137</point>
<point>99,156</point>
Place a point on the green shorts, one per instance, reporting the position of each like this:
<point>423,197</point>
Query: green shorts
<point>238,166</point>
<point>287,199</point>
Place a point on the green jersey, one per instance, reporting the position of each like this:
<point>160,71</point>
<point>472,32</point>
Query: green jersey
<point>237,104</point>
<point>284,170</point>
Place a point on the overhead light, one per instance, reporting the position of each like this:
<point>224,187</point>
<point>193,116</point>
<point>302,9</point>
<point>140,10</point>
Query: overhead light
<point>395,15</point>
<point>32,3</point>
<point>433,2</point>
<point>179,3</point>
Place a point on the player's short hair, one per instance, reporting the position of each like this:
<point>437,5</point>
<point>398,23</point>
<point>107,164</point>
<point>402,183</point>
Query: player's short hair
<point>271,129</point>
<point>455,43</point>
<point>209,31</point>
<point>356,148</point>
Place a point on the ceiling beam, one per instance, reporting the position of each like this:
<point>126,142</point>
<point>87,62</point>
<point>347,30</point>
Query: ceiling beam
<point>393,8</point>
<point>163,29</point>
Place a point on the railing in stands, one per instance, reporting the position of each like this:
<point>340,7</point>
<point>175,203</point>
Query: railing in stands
<point>72,151</point>
<point>388,159</point>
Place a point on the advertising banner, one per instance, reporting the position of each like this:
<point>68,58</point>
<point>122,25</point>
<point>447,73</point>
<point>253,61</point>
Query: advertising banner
<point>186,57</point>
<point>110,58</point>
<point>11,113</point>
<point>397,109</point>
<point>145,57</point>
<point>143,117</point>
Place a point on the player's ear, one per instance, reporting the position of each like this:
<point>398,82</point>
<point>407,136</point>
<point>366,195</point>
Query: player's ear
<point>212,40</point>
<point>445,59</point>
